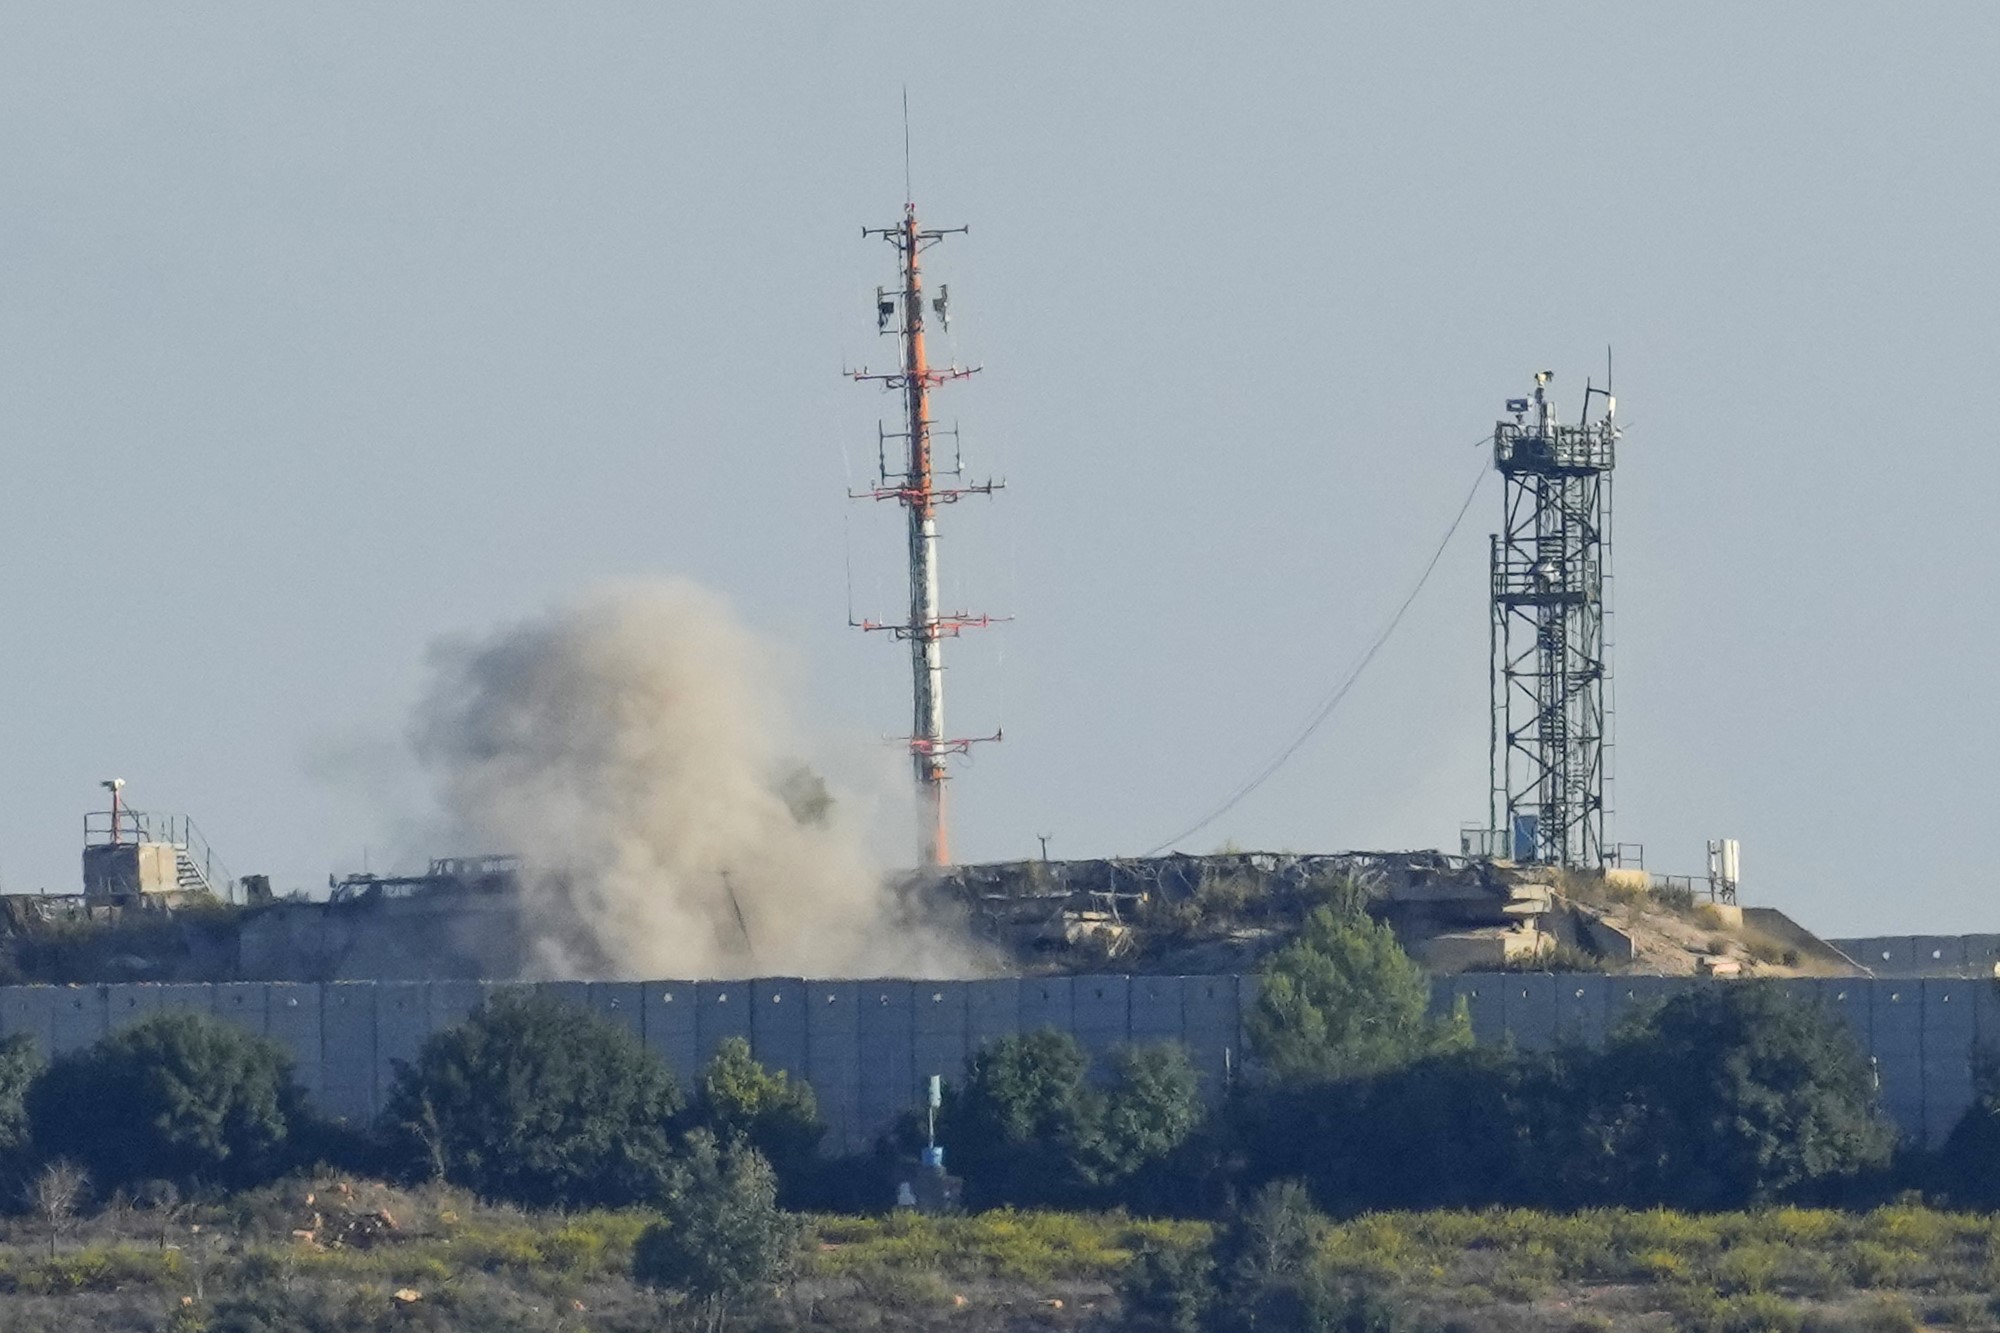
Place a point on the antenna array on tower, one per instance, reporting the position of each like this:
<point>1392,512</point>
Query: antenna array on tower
<point>912,480</point>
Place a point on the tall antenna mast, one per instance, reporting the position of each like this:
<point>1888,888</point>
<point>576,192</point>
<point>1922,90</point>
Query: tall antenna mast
<point>1551,658</point>
<point>913,483</point>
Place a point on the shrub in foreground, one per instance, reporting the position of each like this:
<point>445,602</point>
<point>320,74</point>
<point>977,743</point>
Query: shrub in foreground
<point>722,1238</point>
<point>537,1102</point>
<point>179,1097</point>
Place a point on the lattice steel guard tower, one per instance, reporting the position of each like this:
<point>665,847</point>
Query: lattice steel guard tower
<point>1551,566</point>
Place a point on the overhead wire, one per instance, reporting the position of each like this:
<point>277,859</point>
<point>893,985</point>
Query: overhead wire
<point>1332,700</point>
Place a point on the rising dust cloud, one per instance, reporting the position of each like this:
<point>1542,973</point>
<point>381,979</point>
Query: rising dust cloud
<point>633,752</point>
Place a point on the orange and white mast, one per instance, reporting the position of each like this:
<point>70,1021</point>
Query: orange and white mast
<point>902,312</point>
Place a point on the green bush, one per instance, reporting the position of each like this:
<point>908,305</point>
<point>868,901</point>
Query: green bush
<point>537,1102</point>
<point>1169,1288</point>
<point>179,1097</point>
<point>722,1237</point>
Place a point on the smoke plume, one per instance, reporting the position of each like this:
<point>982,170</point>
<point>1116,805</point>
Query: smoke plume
<point>631,749</point>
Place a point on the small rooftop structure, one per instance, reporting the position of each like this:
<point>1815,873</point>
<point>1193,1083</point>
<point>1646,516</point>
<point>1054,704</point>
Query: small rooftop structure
<point>135,856</point>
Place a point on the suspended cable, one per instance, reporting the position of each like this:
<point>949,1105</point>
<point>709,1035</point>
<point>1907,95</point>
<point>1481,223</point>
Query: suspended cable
<point>1333,698</point>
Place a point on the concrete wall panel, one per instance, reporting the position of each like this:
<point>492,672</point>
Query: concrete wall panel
<point>452,1002</point>
<point>1848,1000</point>
<point>1046,1003</point>
<point>1895,1020</point>
<point>1949,1030</point>
<point>82,1015</point>
<point>1583,1008</point>
<point>575,993</point>
<point>940,1017</point>
<point>1101,1013</point>
<point>778,1024</point>
<point>291,1018</point>
<point>126,1003</point>
<point>622,1003</point>
<point>1893,955</point>
<point>243,1004</point>
<point>1212,1022</point>
<point>670,1027</point>
<point>188,998</point>
<point>1482,1000</point>
<point>1982,955</point>
<point>30,1010</point>
<point>833,1061</point>
<point>886,1033</point>
<point>402,1025</point>
<point>347,1035</point>
<point>721,1011</point>
<point>1155,1004</point>
<point>1938,955</point>
<point>993,1010</point>
<point>1529,1009</point>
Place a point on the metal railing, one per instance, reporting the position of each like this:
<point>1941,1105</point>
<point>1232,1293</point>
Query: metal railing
<point>196,864</point>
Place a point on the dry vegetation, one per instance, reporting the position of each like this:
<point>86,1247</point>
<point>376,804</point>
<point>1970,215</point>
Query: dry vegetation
<point>332,1255</point>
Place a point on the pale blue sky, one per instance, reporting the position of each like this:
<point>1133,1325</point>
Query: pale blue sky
<point>326,330</point>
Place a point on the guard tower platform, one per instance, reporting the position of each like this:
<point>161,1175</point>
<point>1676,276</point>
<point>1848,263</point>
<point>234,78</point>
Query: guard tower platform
<point>132,856</point>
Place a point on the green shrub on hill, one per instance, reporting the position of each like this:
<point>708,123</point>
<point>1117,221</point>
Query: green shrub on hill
<point>538,1102</point>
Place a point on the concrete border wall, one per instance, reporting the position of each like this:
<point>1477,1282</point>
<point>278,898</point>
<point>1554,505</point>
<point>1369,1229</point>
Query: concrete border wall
<point>1968,956</point>
<point>869,1047</point>
<point>1919,1034</point>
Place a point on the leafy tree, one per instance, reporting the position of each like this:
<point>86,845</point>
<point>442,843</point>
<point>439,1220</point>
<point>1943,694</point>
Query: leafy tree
<point>1725,1096</point>
<point>1465,1129</point>
<point>1169,1288</point>
<point>1270,1275</point>
<point>1148,1112</point>
<point>1342,1001</point>
<point>722,1237</point>
<point>1008,1129</point>
<point>1028,1128</point>
<point>179,1096</point>
<point>539,1102</point>
<point>742,1102</point>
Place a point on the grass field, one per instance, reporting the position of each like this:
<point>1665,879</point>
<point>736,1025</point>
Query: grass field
<point>333,1255</point>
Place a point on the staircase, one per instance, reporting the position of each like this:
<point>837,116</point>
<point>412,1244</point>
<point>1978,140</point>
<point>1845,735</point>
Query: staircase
<point>196,867</point>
